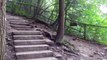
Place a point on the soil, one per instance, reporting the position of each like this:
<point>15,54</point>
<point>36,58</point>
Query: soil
<point>10,54</point>
<point>86,49</point>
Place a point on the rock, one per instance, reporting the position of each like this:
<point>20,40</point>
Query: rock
<point>58,55</point>
<point>104,59</point>
<point>102,53</point>
<point>91,56</point>
<point>70,59</point>
<point>65,48</point>
<point>105,48</point>
<point>84,55</point>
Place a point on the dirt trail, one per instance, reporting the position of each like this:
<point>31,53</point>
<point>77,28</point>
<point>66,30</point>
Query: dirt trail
<point>25,42</point>
<point>87,50</point>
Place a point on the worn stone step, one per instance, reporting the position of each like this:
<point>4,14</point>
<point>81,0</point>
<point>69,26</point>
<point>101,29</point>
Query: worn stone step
<point>46,58</point>
<point>27,37</point>
<point>26,24</point>
<point>23,48</point>
<point>49,42</point>
<point>33,42</point>
<point>26,42</point>
<point>17,23</point>
<point>34,54</point>
<point>27,32</point>
<point>21,26</point>
<point>28,29</point>
<point>18,20</point>
<point>13,18</point>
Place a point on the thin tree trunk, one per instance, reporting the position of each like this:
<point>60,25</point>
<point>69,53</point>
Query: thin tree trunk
<point>2,29</point>
<point>60,31</point>
<point>36,9</point>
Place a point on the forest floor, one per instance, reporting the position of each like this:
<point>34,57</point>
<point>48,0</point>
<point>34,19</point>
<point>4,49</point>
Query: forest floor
<point>86,50</point>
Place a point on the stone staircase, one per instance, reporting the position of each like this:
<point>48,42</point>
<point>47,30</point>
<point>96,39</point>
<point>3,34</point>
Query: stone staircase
<point>29,43</point>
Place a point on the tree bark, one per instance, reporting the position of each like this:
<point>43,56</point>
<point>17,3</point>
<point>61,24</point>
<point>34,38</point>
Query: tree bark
<point>60,31</point>
<point>2,29</point>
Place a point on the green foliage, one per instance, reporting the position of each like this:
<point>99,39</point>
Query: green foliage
<point>88,12</point>
<point>83,12</point>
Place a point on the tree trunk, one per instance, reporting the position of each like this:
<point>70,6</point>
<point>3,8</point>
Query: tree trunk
<point>37,9</point>
<point>60,31</point>
<point>2,29</point>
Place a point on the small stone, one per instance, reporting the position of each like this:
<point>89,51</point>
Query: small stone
<point>84,55</point>
<point>104,59</point>
<point>91,55</point>
<point>102,53</point>
<point>65,48</point>
<point>105,48</point>
<point>95,53</point>
<point>58,55</point>
<point>70,59</point>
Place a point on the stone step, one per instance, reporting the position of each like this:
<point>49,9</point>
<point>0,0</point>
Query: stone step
<point>27,32</point>
<point>14,19</point>
<point>49,42</point>
<point>33,42</point>
<point>24,48</point>
<point>21,26</point>
<point>27,37</point>
<point>26,42</point>
<point>46,58</point>
<point>19,23</point>
<point>11,18</point>
<point>34,54</point>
